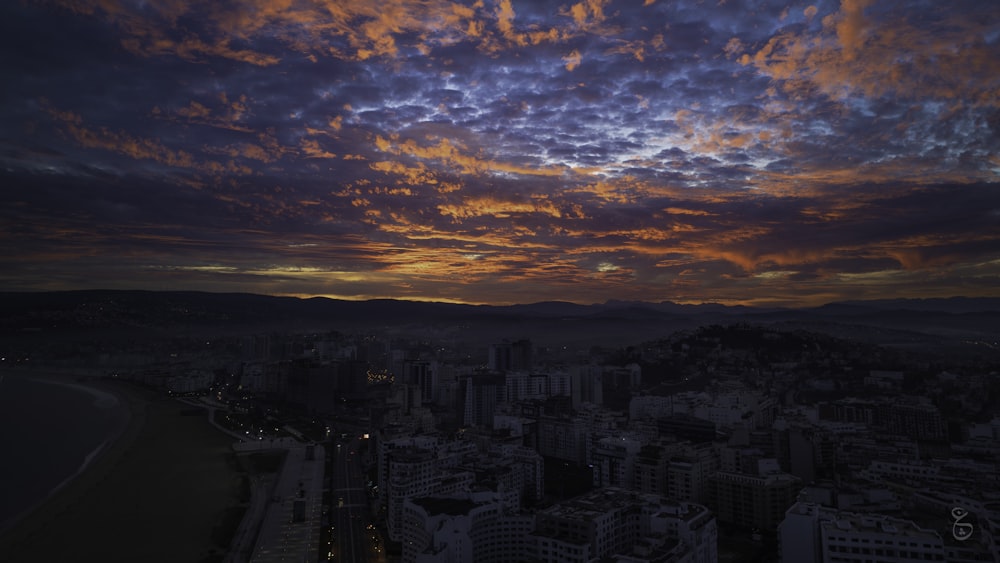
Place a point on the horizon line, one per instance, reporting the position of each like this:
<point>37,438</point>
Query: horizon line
<point>446,301</point>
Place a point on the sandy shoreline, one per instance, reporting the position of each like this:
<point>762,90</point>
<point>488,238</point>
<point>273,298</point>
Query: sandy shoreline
<point>104,398</point>
<point>154,492</point>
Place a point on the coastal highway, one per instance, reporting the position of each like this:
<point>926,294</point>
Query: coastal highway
<point>241,548</point>
<point>349,505</point>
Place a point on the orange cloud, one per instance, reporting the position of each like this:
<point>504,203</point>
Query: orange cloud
<point>310,148</point>
<point>451,154</point>
<point>415,176</point>
<point>505,20</point>
<point>852,27</point>
<point>141,148</point>
<point>635,49</point>
<point>572,60</point>
<point>854,55</point>
<point>506,236</point>
<point>192,48</point>
<point>194,111</point>
<point>483,206</point>
<point>588,12</point>
<point>684,211</point>
<point>228,117</point>
<point>348,29</point>
<point>129,145</point>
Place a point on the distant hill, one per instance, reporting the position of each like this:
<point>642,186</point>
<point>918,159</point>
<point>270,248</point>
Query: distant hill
<point>939,305</point>
<point>612,321</point>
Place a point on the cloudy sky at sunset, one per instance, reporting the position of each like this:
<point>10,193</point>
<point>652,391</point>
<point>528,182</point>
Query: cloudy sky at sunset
<point>503,151</point>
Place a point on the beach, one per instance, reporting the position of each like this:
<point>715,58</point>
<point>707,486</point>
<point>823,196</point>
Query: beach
<point>159,490</point>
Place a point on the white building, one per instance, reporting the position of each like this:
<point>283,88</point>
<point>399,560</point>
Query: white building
<point>812,533</point>
<point>415,473</point>
<point>382,455</point>
<point>522,385</point>
<point>463,527</point>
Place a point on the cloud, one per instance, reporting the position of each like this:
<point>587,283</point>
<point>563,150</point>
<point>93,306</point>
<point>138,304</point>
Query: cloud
<point>588,12</point>
<point>857,52</point>
<point>454,156</point>
<point>224,113</point>
<point>481,206</point>
<point>513,150</point>
<point>573,60</point>
<point>852,27</point>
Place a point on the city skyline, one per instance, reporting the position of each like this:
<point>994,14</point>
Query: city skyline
<point>504,152</point>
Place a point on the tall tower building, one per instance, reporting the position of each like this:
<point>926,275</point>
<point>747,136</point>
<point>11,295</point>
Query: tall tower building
<point>483,392</point>
<point>500,358</point>
<point>521,356</point>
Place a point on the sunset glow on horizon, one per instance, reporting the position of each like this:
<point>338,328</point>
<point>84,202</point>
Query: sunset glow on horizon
<point>502,152</point>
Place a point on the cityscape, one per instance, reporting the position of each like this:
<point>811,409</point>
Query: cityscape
<point>491,281</point>
<point>745,437</point>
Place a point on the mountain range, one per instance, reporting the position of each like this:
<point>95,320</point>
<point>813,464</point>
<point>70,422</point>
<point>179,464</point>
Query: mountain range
<point>957,318</point>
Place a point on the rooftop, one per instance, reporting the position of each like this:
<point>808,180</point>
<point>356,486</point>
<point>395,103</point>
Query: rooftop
<point>435,506</point>
<point>609,499</point>
<point>682,510</point>
<point>832,521</point>
<point>560,537</point>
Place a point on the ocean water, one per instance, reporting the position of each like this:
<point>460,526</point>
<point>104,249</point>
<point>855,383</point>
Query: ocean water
<point>48,431</point>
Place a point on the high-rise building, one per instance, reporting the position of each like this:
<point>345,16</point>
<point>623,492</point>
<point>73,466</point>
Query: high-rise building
<point>501,357</point>
<point>651,470</point>
<point>561,384</point>
<point>613,462</point>
<point>523,386</point>
<point>752,501</point>
<point>587,384</point>
<point>385,444</point>
<point>414,472</point>
<point>423,375</point>
<point>562,437</point>
<point>913,418</point>
<point>482,394</point>
<point>689,471</point>
<point>521,355</point>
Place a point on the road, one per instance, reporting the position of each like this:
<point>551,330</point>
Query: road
<point>241,548</point>
<point>349,505</point>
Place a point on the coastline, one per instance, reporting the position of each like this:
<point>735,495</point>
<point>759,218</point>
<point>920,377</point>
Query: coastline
<point>105,397</point>
<point>96,462</point>
<point>124,498</point>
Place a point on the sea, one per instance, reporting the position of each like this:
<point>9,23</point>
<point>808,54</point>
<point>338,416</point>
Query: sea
<point>50,429</point>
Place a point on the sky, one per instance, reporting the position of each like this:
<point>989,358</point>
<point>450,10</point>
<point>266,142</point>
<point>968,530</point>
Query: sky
<point>503,151</point>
